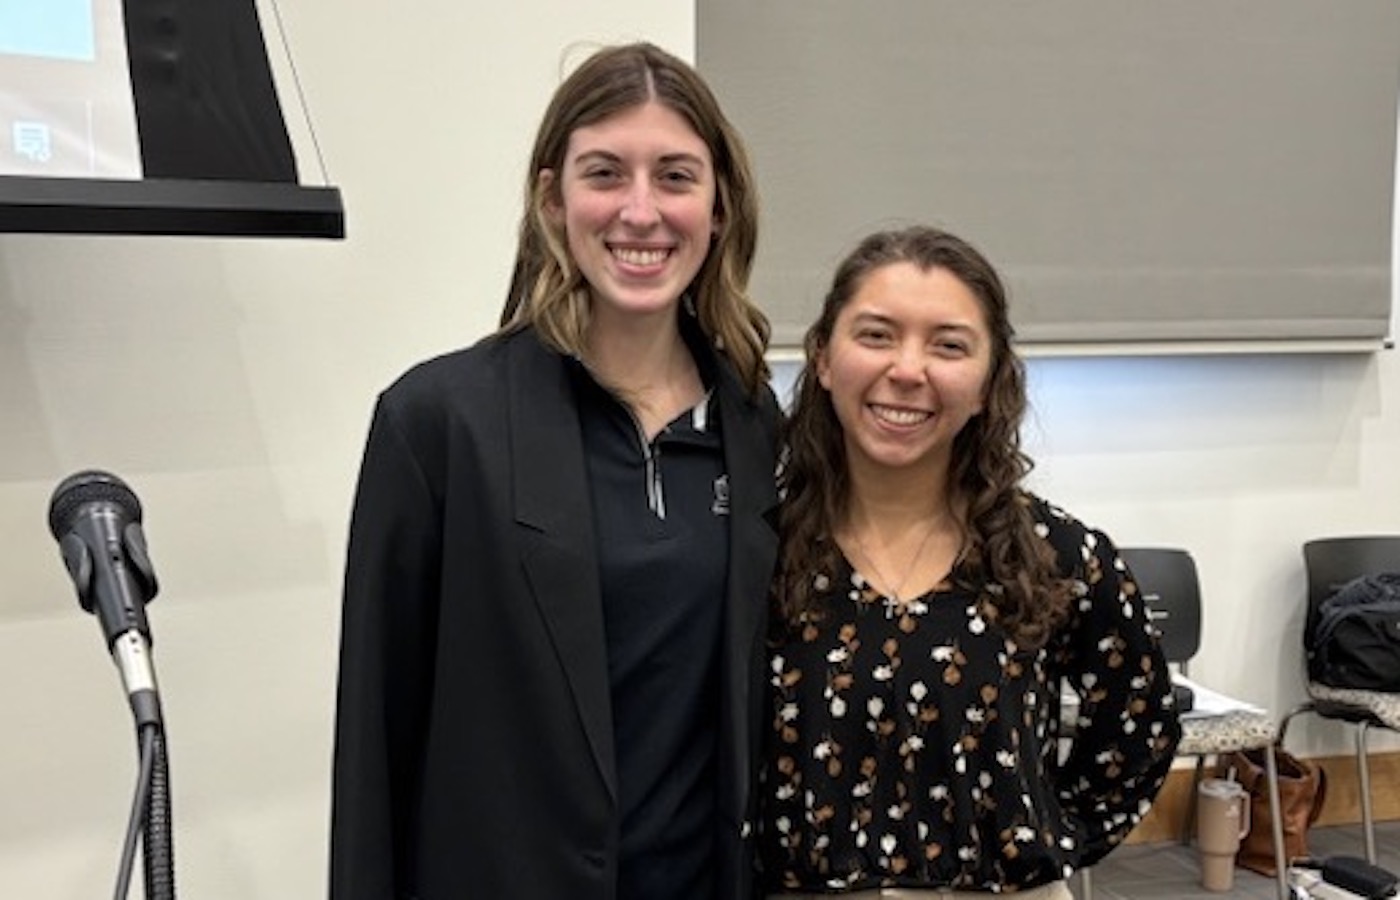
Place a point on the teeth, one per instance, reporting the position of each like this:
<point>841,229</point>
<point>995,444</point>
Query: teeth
<point>639,257</point>
<point>900,416</point>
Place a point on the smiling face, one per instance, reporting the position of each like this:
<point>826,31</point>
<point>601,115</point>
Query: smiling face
<point>906,366</point>
<point>636,200</point>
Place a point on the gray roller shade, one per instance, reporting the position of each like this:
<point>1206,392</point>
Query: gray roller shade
<point>1140,172</point>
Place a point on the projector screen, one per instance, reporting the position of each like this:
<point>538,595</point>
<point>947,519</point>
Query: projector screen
<point>65,95</point>
<point>151,117</point>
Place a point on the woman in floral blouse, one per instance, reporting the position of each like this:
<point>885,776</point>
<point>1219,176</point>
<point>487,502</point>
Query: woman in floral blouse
<point>929,609</point>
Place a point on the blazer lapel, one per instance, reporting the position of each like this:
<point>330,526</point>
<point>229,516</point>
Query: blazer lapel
<point>553,510</point>
<point>750,460</point>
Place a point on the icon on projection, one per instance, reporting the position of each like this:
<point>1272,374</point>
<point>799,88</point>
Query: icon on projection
<point>33,142</point>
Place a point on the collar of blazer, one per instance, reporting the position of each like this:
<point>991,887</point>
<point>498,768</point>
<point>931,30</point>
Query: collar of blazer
<point>551,501</point>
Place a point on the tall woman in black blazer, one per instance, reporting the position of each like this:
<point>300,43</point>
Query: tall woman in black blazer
<point>561,543</point>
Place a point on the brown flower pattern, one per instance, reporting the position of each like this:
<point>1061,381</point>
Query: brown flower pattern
<point>914,745</point>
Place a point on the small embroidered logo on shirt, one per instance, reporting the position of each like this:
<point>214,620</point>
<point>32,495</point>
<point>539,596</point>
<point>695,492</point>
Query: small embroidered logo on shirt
<point>721,505</point>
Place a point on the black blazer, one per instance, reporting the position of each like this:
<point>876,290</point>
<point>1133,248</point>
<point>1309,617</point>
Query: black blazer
<point>473,746</point>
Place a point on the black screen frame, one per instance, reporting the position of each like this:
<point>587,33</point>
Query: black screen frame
<point>187,207</point>
<point>216,156</point>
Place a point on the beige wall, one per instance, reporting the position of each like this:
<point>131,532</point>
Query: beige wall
<point>230,383</point>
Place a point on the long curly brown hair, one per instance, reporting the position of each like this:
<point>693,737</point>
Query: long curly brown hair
<point>988,463</point>
<point>548,291</point>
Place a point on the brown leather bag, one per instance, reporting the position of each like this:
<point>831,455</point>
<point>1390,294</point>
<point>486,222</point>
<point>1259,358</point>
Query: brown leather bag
<point>1302,789</point>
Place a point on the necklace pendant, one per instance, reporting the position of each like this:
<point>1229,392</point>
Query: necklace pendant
<point>891,603</point>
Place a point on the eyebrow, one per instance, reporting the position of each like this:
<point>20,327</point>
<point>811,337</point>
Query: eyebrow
<point>665,159</point>
<point>961,328</point>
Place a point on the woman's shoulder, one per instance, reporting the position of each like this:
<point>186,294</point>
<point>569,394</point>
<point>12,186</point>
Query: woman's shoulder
<point>1050,516</point>
<point>473,374</point>
<point>1074,540</point>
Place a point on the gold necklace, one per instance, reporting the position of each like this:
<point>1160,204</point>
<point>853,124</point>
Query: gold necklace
<point>893,599</point>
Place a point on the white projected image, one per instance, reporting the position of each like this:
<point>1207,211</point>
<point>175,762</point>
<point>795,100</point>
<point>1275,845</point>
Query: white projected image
<point>66,107</point>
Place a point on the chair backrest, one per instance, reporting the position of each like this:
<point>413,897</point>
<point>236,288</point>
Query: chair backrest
<point>1332,562</point>
<point>1171,591</point>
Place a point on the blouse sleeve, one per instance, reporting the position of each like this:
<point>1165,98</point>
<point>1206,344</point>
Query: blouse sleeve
<point>388,619</point>
<point>1127,728</point>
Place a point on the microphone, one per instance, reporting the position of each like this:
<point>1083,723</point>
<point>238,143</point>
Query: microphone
<point>96,519</point>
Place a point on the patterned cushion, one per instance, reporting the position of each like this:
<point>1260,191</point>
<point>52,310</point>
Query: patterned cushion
<point>1384,706</point>
<point>1236,730</point>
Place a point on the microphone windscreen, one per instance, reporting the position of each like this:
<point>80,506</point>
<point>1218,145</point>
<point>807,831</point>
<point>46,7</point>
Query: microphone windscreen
<point>90,486</point>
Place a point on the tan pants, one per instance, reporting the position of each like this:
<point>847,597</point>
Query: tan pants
<point>1055,891</point>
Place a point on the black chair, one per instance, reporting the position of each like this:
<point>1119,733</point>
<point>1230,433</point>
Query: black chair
<point>1330,563</point>
<point>1171,589</point>
<point>1171,592</point>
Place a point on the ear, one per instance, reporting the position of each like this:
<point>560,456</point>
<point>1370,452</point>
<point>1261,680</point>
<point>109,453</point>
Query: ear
<point>980,407</point>
<point>546,186</point>
<point>984,396</point>
<point>822,365</point>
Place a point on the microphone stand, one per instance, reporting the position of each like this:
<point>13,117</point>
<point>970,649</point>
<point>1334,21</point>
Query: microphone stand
<point>158,841</point>
<point>150,819</point>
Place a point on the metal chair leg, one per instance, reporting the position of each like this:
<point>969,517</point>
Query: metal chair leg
<point>1363,770</point>
<point>1276,820</point>
<point>1363,773</point>
<point>1189,831</point>
<point>1086,885</point>
<point>1305,707</point>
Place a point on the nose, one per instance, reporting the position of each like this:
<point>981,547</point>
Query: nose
<point>639,206</point>
<point>907,363</point>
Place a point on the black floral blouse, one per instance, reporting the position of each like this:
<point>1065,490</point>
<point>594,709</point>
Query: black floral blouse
<point>913,745</point>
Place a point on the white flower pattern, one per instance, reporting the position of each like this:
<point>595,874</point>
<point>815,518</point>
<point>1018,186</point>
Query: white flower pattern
<point>942,767</point>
